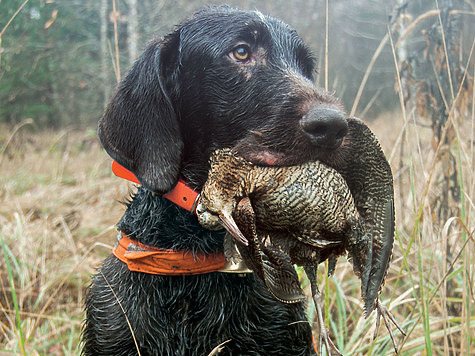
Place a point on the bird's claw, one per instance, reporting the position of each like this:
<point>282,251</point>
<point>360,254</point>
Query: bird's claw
<point>387,317</point>
<point>322,330</point>
<point>329,345</point>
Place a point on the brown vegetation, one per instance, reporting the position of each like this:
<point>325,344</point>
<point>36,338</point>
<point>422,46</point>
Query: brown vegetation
<point>59,204</point>
<point>57,215</point>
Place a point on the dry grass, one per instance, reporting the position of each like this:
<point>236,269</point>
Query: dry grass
<point>59,206</point>
<point>57,215</point>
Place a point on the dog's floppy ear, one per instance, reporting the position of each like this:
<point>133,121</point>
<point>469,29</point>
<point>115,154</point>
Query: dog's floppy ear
<point>139,128</point>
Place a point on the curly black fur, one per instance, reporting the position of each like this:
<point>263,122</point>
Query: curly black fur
<point>187,315</point>
<point>187,95</point>
<point>156,221</point>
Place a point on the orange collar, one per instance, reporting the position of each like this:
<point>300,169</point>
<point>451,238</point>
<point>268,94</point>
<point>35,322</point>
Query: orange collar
<point>182,195</point>
<point>152,260</point>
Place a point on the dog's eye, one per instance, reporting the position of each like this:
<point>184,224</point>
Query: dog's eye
<point>242,53</point>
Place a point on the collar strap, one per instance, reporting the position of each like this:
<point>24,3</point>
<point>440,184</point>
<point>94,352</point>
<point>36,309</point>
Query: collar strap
<point>182,195</point>
<point>152,260</point>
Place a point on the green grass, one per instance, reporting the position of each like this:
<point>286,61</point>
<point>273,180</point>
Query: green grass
<point>59,207</point>
<point>6,253</point>
<point>55,231</point>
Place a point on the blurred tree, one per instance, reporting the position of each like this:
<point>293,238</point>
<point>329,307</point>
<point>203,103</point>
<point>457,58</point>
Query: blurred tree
<point>57,56</point>
<point>50,67</point>
<point>132,30</point>
<point>104,48</point>
<point>431,76</point>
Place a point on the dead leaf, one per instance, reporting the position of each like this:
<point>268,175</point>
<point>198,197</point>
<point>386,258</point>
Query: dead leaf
<point>54,14</point>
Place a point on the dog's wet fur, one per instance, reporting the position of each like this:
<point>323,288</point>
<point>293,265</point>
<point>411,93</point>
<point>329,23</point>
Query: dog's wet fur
<point>223,78</point>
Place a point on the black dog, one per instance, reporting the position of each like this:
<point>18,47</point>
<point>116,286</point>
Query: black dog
<point>223,78</point>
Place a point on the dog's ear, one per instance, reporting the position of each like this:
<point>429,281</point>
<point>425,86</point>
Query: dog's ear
<point>139,128</point>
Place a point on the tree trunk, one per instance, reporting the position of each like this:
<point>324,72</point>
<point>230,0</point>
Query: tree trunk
<point>104,50</point>
<point>132,30</point>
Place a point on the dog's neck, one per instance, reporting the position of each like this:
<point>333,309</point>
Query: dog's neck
<point>181,195</point>
<point>166,221</point>
<point>156,221</point>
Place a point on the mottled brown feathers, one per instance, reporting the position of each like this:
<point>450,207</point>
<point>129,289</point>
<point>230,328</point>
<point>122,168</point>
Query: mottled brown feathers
<point>309,212</point>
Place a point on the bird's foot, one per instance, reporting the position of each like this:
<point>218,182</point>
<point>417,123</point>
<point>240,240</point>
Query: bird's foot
<point>388,318</point>
<point>329,345</point>
<point>323,337</point>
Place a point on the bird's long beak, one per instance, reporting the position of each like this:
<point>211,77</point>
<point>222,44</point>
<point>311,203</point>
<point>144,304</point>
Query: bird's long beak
<point>232,228</point>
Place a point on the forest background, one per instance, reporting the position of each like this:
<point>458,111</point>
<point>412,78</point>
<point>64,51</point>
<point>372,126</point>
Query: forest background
<point>406,67</point>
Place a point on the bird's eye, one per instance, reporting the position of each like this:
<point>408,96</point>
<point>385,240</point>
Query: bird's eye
<point>242,53</point>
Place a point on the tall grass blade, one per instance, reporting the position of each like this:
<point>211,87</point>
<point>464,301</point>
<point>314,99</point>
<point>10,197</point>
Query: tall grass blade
<point>11,281</point>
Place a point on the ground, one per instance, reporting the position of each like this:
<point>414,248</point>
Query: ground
<point>59,203</point>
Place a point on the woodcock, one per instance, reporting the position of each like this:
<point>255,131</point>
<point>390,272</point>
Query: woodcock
<point>306,214</point>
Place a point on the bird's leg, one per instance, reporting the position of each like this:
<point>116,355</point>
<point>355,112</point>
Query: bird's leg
<point>311,272</point>
<point>387,317</point>
<point>245,221</point>
<point>270,264</point>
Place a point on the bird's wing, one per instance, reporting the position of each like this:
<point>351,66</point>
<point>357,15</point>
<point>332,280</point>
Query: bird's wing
<point>362,163</point>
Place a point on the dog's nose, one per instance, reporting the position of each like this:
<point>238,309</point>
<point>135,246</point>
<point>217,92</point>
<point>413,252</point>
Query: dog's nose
<point>325,126</point>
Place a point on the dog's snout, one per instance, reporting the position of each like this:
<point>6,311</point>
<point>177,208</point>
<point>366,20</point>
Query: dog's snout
<point>325,126</point>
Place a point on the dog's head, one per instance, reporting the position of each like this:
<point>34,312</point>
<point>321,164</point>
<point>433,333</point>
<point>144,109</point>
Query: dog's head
<point>223,78</point>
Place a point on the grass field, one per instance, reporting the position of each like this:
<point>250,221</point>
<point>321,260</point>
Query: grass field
<point>59,204</point>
